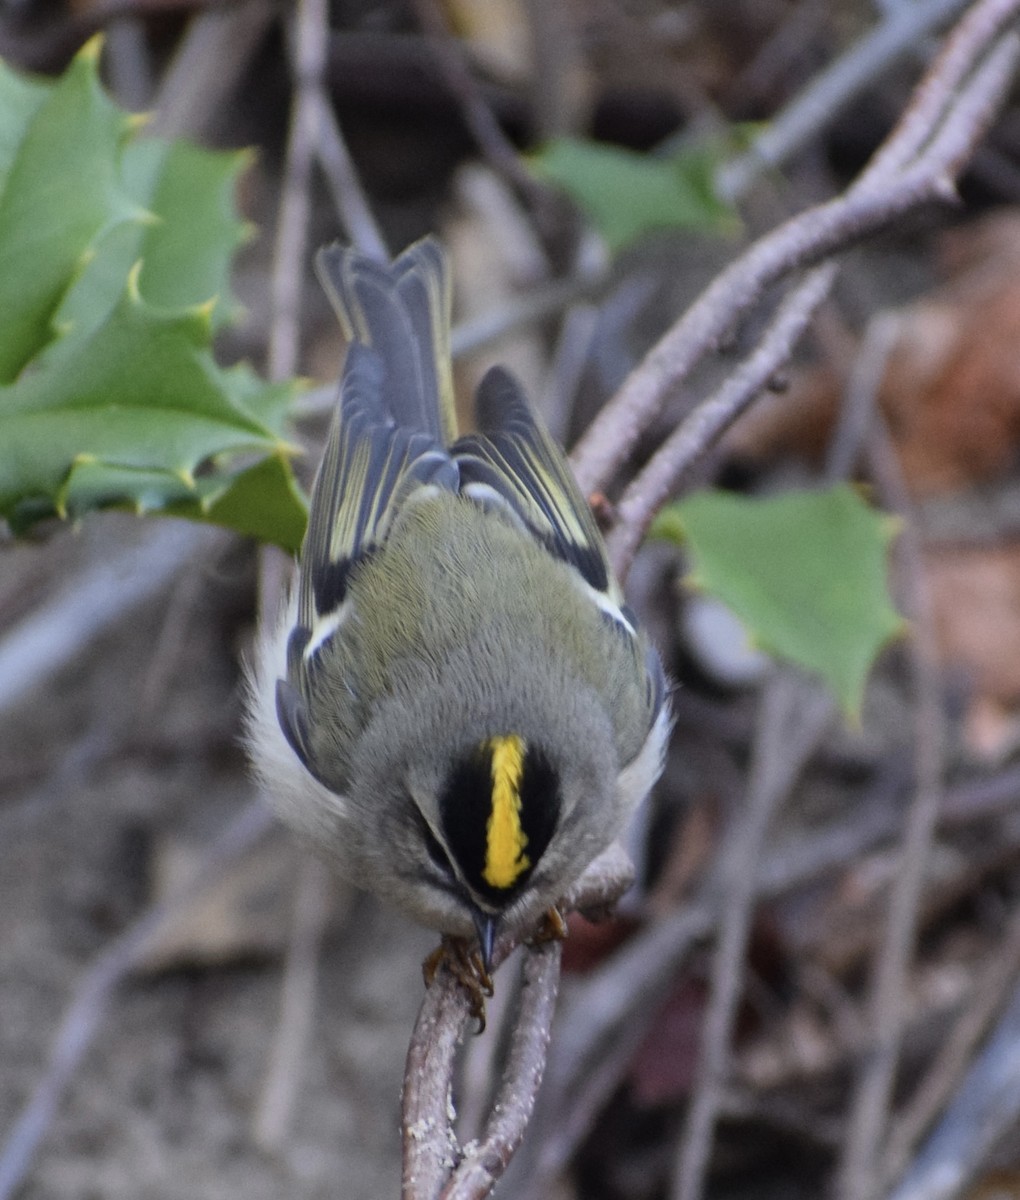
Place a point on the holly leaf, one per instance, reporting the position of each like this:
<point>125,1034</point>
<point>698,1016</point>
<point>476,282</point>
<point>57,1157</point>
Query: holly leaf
<point>115,253</point>
<point>806,573</point>
<point>626,195</point>
<point>61,191</point>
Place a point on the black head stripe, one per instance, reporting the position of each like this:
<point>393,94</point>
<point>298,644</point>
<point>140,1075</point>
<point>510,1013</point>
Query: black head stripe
<point>499,811</point>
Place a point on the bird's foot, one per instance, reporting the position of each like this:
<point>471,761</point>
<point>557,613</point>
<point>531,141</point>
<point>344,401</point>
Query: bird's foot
<point>464,962</point>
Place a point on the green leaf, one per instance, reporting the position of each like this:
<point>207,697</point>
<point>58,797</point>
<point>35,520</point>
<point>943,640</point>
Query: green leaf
<point>186,252</point>
<point>20,98</point>
<point>141,393</point>
<point>184,236</point>
<point>806,572</point>
<point>61,190</point>
<point>115,254</point>
<point>626,194</point>
<point>263,502</point>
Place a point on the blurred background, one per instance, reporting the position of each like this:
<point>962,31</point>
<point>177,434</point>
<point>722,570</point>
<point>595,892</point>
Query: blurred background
<point>120,752</point>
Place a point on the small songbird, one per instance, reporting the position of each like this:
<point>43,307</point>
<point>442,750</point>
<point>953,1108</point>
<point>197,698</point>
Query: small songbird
<point>457,708</point>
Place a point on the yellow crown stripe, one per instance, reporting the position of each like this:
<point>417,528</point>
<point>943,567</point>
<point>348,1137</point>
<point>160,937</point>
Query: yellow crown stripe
<point>505,860</point>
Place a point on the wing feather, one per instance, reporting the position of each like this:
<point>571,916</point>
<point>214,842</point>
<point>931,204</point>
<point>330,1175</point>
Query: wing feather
<point>514,458</point>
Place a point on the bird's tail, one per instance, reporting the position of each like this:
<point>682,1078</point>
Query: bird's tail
<point>402,312</point>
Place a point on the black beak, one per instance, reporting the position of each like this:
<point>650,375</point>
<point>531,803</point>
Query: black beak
<point>486,927</point>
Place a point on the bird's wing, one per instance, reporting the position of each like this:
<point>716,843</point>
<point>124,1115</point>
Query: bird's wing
<point>512,460</point>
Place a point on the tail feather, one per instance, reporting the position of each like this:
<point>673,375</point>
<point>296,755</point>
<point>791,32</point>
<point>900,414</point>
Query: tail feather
<point>402,312</point>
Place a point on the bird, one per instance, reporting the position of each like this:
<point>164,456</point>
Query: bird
<point>457,707</point>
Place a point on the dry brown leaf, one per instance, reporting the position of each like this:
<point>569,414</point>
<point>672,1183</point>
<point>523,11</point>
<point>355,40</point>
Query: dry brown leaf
<point>976,594</point>
<point>245,915</point>
<point>977,609</point>
<point>951,391</point>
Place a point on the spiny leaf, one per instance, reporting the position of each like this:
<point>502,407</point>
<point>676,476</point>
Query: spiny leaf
<point>61,191</point>
<point>806,572</point>
<point>114,274</point>
<point>627,194</point>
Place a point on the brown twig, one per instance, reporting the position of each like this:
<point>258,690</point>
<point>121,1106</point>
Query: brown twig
<point>687,445</point>
<point>991,989</point>
<point>601,1025</point>
<point>512,1108</point>
<point>791,725</point>
<point>207,65</point>
<point>857,412</point>
<point>891,185</point>
<point>297,1005</point>
<point>352,205</point>
<point>548,297</point>
<point>827,94</point>
<point>431,1150</point>
<point>937,92</point>
<point>308,61</point>
<point>859,1169</point>
<point>495,146</point>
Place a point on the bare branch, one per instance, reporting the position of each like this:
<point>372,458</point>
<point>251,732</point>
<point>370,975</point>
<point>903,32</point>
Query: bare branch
<point>827,94</point>
<point>342,176</point>
<point>983,1111</point>
<point>885,191</point>
<point>431,1149</point>
<point>937,91</point>
<point>207,65</point>
<point>991,989</point>
<point>684,448</point>
<point>859,1170</point>
<point>511,1111</point>
<point>308,61</point>
<point>791,725</point>
<point>496,147</point>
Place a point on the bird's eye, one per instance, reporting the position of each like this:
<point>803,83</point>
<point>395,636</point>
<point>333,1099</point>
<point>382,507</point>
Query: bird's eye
<point>435,850</point>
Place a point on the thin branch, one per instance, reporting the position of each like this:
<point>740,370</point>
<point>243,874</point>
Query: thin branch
<point>792,723</point>
<point>512,1108</point>
<point>857,413</point>
<point>938,90</point>
<point>872,202</point>
<point>687,445</point>
<point>984,1110</point>
<point>535,305</point>
<point>556,67</point>
<point>830,91</point>
<point>297,1005</point>
<point>991,989</point>
<point>495,146</point>
<point>308,62</point>
<point>431,1149</point>
<point>600,1026</point>
<point>356,214</point>
<point>96,988</point>
<point>207,65</point>
<point>859,1169</point>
